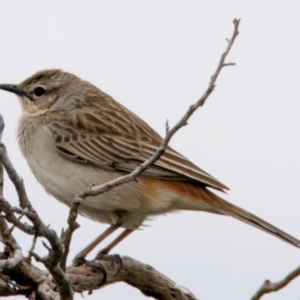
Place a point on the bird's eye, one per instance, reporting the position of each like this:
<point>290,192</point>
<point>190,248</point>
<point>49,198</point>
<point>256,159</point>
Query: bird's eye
<point>39,91</point>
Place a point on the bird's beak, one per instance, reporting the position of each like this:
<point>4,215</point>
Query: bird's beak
<point>14,89</point>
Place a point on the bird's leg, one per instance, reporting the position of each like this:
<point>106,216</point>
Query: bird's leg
<point>115,242</point>
<point>103,254</point>
<point>80,257</point>
<point>117,218</point>
<point>83,253</point>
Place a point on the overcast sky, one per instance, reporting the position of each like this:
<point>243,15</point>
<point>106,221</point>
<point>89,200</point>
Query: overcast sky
<point>156,58</point>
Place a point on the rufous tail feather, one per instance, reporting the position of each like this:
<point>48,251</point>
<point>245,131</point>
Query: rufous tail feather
<point>234,211</point>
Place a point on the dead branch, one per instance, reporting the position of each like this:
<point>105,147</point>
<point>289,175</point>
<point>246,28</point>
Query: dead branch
<point>39,228</point>
<point>269,287</point>
<point>149,281</point>
<point>86,278</point>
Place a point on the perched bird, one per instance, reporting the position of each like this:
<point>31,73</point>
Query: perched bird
<point>72,135</point>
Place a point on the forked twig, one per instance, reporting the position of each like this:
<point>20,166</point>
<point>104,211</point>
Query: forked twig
<point>269,287</point>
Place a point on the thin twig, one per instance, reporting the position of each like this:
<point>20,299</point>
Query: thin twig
<point>167,126</point>
<point>28,257</point>
<point>53,259</point>
<point>15,253</point>
<point>12,246</point>
<point>66,236</point>
<point>10,217</point>
<point>269,287</point>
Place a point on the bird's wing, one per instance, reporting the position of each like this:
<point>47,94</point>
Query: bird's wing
<point>119,141</point>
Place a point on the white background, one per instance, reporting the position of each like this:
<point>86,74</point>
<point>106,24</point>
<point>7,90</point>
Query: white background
<point>156,58</point>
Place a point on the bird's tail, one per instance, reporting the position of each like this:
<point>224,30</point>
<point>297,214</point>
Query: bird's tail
<point>232,210</point>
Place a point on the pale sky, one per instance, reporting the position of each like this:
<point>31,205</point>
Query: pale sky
<point>156,58</point>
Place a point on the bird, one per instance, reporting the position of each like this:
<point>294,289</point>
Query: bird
<point>73,135</point>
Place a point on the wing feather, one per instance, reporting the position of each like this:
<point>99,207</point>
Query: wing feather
<point>117,142</point>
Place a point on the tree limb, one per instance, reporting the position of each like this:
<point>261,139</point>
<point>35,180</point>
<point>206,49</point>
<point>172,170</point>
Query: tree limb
<point>269,287</point>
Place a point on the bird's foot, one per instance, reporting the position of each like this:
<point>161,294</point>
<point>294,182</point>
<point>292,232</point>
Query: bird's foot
<point>114,258</point>
<point>96,265</point>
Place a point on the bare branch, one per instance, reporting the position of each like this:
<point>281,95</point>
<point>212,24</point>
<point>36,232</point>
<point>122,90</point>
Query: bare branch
<point>7,288</point>
<point>2,125</point>
<point>66,235</point>
<point>40,229</point>
<point>10,217</point>
<point>11,246</point>
<point>149,281</point>
<point>14,249</point>
<point>88,278</point>
<point>28,258</point>
<point>167,126</point>
<point>6,238</point>
<point>269,287</point>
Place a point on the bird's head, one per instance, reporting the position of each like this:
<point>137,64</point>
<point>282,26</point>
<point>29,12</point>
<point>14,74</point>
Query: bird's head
<point>46,89</point>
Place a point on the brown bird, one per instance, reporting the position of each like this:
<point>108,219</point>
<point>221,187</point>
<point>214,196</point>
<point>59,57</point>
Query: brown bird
<point>73,134</point>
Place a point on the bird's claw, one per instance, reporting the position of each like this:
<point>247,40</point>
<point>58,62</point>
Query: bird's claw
<point>115,259</point>
<point>96,265</point>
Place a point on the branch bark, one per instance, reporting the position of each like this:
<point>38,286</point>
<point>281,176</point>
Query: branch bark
<point>149,281</point>
<point>269,287</point>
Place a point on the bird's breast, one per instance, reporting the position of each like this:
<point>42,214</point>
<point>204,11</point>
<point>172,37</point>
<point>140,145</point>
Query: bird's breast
<point>64,179</point>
